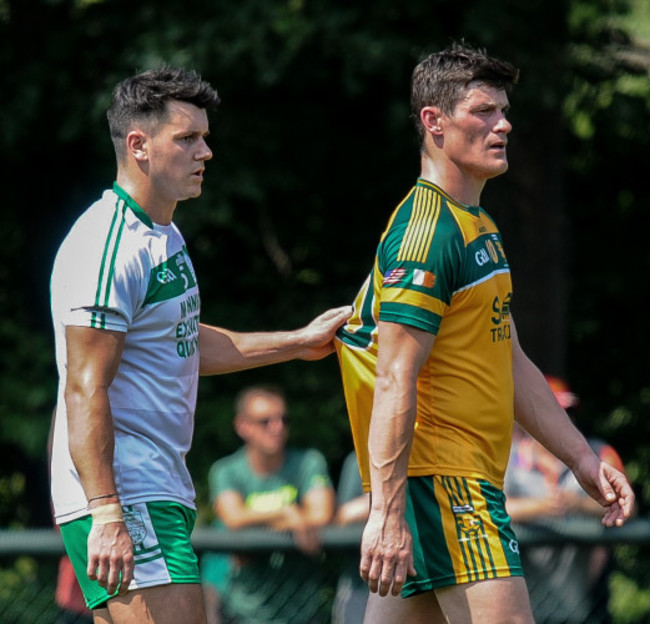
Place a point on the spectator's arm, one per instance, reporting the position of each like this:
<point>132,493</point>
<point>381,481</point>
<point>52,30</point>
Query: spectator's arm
<point>355,510</point>
<point>230,507</point>
<point>318,506</point>
<point>561,503</point>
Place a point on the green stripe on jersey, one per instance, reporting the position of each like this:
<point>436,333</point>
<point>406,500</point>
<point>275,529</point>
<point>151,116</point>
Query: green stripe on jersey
<point>107,266</point>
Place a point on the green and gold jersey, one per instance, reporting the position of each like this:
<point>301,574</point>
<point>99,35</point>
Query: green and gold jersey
<point>440,267</point>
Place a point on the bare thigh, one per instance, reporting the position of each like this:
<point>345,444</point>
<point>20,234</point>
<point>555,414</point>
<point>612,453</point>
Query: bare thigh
<point>166,604</point>
<point>494,601</point>
<point>420,609</point>
<point>101,616</point>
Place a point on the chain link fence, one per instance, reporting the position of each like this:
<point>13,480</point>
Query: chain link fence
<point>29,563</point>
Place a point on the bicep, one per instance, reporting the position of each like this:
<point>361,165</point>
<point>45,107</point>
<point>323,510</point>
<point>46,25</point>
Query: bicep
<point>403,350</point>
<point>93,356</point>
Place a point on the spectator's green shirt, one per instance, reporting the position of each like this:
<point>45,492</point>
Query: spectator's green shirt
<point>280,587</point>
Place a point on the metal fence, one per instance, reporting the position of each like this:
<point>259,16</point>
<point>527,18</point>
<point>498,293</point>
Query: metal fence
<point>29,562</point>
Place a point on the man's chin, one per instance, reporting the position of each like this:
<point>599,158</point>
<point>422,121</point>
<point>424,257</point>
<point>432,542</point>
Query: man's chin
<point>190,195</point>
<point>498,169</point>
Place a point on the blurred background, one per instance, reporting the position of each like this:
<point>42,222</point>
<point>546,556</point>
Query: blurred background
<point>313,148</point>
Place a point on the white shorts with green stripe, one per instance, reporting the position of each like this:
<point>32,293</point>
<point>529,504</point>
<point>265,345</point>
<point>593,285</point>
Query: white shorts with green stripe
<point>161,534</point>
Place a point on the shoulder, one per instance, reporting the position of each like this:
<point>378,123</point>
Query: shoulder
<point>94,220</point>
<point>310,466</point>
<point>304,455</point>
<point>424,210</point>
<point>235,461</point>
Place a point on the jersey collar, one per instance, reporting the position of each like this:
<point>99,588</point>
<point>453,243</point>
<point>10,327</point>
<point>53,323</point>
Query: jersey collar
<point>131,203</point>
<point>475,210</point>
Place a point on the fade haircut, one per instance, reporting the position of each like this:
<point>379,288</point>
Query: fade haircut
<point>143,98</point>
<point>442,77</point>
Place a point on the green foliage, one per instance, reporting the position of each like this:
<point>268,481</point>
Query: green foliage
<point>313,147</point>
<point>26,591</point>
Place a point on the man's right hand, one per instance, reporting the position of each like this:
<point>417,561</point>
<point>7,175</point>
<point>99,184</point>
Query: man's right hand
<point>386,554</point>
<point>110,556</point>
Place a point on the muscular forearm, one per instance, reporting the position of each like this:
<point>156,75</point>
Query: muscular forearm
<point>402,353</point>
<point>224,351</point>
<point>91,441</point>
<point>537,411</point>
<point>93,359</point>
<point>389,443</point>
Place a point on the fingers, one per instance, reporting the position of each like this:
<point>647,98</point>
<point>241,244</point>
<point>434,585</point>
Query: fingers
<point>334,317</point>
<point>91,570</point>
<point>114,573</point>
<point>618,494</point>
<point>342,312</point>
<point>384,578</point>
<point>606,489</point>
<point>386,573</point>
<point>128,566</point>
<point>110,557</point>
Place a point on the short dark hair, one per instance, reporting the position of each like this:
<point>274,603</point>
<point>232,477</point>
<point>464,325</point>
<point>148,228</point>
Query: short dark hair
<point>245,395</point>
<point>442,77</point>
<point>143,98</point>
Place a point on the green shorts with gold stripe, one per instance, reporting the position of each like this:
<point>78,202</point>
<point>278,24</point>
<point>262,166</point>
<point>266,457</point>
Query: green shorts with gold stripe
<point>461,533</point>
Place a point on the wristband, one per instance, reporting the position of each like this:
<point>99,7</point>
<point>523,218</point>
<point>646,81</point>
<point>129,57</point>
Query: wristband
<point>104,514</point>
<point>94,498</point>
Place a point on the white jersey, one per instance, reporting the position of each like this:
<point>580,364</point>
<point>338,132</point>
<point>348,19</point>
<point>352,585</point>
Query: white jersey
<point>117,270</point>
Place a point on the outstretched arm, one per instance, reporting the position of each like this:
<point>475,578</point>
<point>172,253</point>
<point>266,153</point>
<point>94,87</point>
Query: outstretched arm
<point>225,351</point>
<point>537,411</point>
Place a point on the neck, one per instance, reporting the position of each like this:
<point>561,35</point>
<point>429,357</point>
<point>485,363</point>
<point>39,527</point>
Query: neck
<point>159,210</point>
<point>264,464</point>
<point>460,186</point>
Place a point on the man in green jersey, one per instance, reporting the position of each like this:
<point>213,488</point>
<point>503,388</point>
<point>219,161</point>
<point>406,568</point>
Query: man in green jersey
<point>434,374</point>
<point>130,348</point>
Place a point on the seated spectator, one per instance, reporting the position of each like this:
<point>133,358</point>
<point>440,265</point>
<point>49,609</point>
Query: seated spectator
<point>267,484</point>
<point>352,508</point>
<point>568,582</point>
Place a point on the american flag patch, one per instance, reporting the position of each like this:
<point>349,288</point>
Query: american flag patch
<point>394,276</point>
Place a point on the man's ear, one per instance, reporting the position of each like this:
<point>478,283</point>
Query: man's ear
<point>137,145</point>
<point>239,425</point>
<point>431,116</point>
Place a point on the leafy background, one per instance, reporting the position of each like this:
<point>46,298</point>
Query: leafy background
<point>313,147</point>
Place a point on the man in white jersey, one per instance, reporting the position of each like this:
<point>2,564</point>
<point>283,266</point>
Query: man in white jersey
<point>130,348</point>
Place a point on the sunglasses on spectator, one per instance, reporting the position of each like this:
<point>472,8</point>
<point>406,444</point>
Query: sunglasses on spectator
<point>265,422</point>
